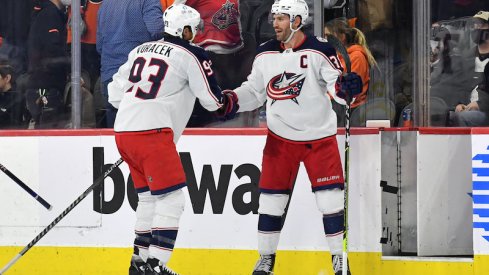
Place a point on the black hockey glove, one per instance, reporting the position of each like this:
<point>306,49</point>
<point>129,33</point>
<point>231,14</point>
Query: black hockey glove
<point>230,105</point>
<point>350,86</point>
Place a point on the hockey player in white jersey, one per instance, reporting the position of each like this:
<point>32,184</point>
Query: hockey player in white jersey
<point>155,91</point>
<point>293,75</point>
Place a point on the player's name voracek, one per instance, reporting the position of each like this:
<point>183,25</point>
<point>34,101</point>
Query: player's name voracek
<point>158,48</point>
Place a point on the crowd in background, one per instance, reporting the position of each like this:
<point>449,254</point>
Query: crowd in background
<point>35,58</point>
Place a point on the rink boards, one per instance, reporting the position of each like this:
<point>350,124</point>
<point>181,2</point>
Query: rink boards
<point>218,229</point>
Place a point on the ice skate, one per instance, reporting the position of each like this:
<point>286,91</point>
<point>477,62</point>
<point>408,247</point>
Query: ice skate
<point>155,268</point>
<point>138,266</point>
<point>265,265</point>
<point>338,265</point>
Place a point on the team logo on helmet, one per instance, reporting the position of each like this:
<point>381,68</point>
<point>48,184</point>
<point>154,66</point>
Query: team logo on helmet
<point>285,86</point>
<point>226,16</point>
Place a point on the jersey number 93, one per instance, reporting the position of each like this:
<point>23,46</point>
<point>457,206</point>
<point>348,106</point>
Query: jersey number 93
<point>135,76</point>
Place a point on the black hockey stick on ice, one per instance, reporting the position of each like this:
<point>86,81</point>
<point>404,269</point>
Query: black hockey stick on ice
<point>342,50</point>
<point>97,182</point>
<point>25,187</point>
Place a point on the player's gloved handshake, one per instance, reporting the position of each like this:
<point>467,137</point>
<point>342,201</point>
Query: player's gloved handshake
<point>230,105</point>
<point>350,86</point>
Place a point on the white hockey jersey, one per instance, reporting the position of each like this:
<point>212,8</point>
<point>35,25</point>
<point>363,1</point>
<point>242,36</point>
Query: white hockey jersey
<point>294,82</point>
<point>157,86</point>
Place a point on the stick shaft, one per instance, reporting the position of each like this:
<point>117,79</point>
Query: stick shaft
<point>342,50</point>
<point>12,262</point>
<point>25,187</point>
<point>62,215</point>
<point>347,181</point>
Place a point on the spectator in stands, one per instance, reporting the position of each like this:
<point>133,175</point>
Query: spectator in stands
<point>361,58</point>
<point>446,66</point>
<point>223,41</point>
<point>476,111</point>
<point>166,3</point>
<point>122,25</point>
<point>440,54</point>
<point>448,9</point>
<point>12,103</point>
<point>448,80</point>
<point>15,18</point>
<point>221,33</point>
<point>49,64</point>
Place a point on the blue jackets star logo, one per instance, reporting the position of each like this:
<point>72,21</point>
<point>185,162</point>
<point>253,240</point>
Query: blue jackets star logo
<point>285,86</point>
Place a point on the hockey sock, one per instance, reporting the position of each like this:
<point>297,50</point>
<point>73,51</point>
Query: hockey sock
<point>333,228</point>
<point>164,230</point>
<point>144,217</point>
<point>269,228</point>
<point>141,244</point>
<point>162,243</point>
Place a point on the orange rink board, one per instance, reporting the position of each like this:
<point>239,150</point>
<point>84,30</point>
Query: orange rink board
<point>94,261</point>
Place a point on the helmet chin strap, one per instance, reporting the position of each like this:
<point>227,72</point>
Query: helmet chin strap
<point>292,32</point>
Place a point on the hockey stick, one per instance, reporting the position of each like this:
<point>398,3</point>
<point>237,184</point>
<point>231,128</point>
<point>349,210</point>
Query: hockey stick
<point>25,187</point>
<point>342,50</point>
<point>62,215</point>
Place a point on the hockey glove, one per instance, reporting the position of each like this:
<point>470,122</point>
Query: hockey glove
<point>230,105</point>
<point>350,86</point>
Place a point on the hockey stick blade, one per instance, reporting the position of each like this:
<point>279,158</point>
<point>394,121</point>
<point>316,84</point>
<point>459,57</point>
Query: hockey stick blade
<point>97,182</point>
<point>25,187</point>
